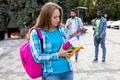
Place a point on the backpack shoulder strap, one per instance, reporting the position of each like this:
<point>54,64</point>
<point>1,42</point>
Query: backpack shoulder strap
<point>40,37</point>
<point>39,33</point>
<point>77,19</point>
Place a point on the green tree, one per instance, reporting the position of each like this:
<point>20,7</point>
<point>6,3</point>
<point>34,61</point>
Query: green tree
<point>66,8</point>
<point>28,10</point>
<point>74,3</point>
<point>4,17</point>
<point>110,7</point>
<point>27,14</point>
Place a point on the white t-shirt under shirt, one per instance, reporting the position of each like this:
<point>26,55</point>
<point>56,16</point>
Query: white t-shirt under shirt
<point>73,26</point>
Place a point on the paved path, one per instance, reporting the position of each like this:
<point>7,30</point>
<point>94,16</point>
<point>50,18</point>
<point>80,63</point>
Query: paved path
<point>84,69</point>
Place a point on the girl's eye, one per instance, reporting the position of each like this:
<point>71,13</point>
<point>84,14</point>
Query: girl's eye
<point>55,17</point>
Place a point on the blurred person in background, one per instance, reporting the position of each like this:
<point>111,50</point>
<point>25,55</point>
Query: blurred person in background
<point>74,27</point>
<point>99,27</point>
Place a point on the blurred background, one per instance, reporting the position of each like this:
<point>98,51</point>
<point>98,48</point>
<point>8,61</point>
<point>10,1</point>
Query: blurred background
<point>17,16</point>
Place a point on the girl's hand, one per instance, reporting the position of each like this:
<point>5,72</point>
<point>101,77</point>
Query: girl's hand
<point>64,53</point>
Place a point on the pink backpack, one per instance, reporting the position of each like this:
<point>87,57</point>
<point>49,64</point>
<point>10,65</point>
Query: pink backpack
<point>33,69</point>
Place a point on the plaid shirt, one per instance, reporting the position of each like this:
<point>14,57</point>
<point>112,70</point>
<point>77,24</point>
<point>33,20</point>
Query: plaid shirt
<point>47,56</point>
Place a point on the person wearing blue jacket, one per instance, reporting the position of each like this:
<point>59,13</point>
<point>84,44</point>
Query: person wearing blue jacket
<point>54,64</point>
<point>99,27</point>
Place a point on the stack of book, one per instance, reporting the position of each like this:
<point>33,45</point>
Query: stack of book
<point>73,45</point>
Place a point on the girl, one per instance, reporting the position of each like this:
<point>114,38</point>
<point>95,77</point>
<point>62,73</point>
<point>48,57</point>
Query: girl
<point>55,66</point>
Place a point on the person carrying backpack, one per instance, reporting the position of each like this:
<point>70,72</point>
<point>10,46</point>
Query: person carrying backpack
<point>74,27</point>
<point>54,64</point>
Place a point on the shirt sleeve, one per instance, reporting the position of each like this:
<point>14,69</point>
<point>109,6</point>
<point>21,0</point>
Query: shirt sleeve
<point>35,47</point>
<point>104,29</point>
<point>67,22</point>
<point>80,24</point>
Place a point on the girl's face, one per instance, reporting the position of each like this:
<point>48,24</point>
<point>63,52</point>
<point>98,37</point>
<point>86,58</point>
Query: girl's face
<point>55,18</point>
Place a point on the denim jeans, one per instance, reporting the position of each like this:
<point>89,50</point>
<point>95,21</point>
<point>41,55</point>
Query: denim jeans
<point>96,44</point>
<point>62,76</point>
<point>76,54</point>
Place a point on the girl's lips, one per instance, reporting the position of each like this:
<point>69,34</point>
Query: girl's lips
<point>57,22</point>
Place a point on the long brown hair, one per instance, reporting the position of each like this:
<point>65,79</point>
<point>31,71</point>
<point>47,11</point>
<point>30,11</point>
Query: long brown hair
<point>44,18</point>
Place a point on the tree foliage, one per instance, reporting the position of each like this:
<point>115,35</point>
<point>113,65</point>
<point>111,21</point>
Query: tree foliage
<point>66,8</point>
<point>109,7</point>
<point>26,11</point>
